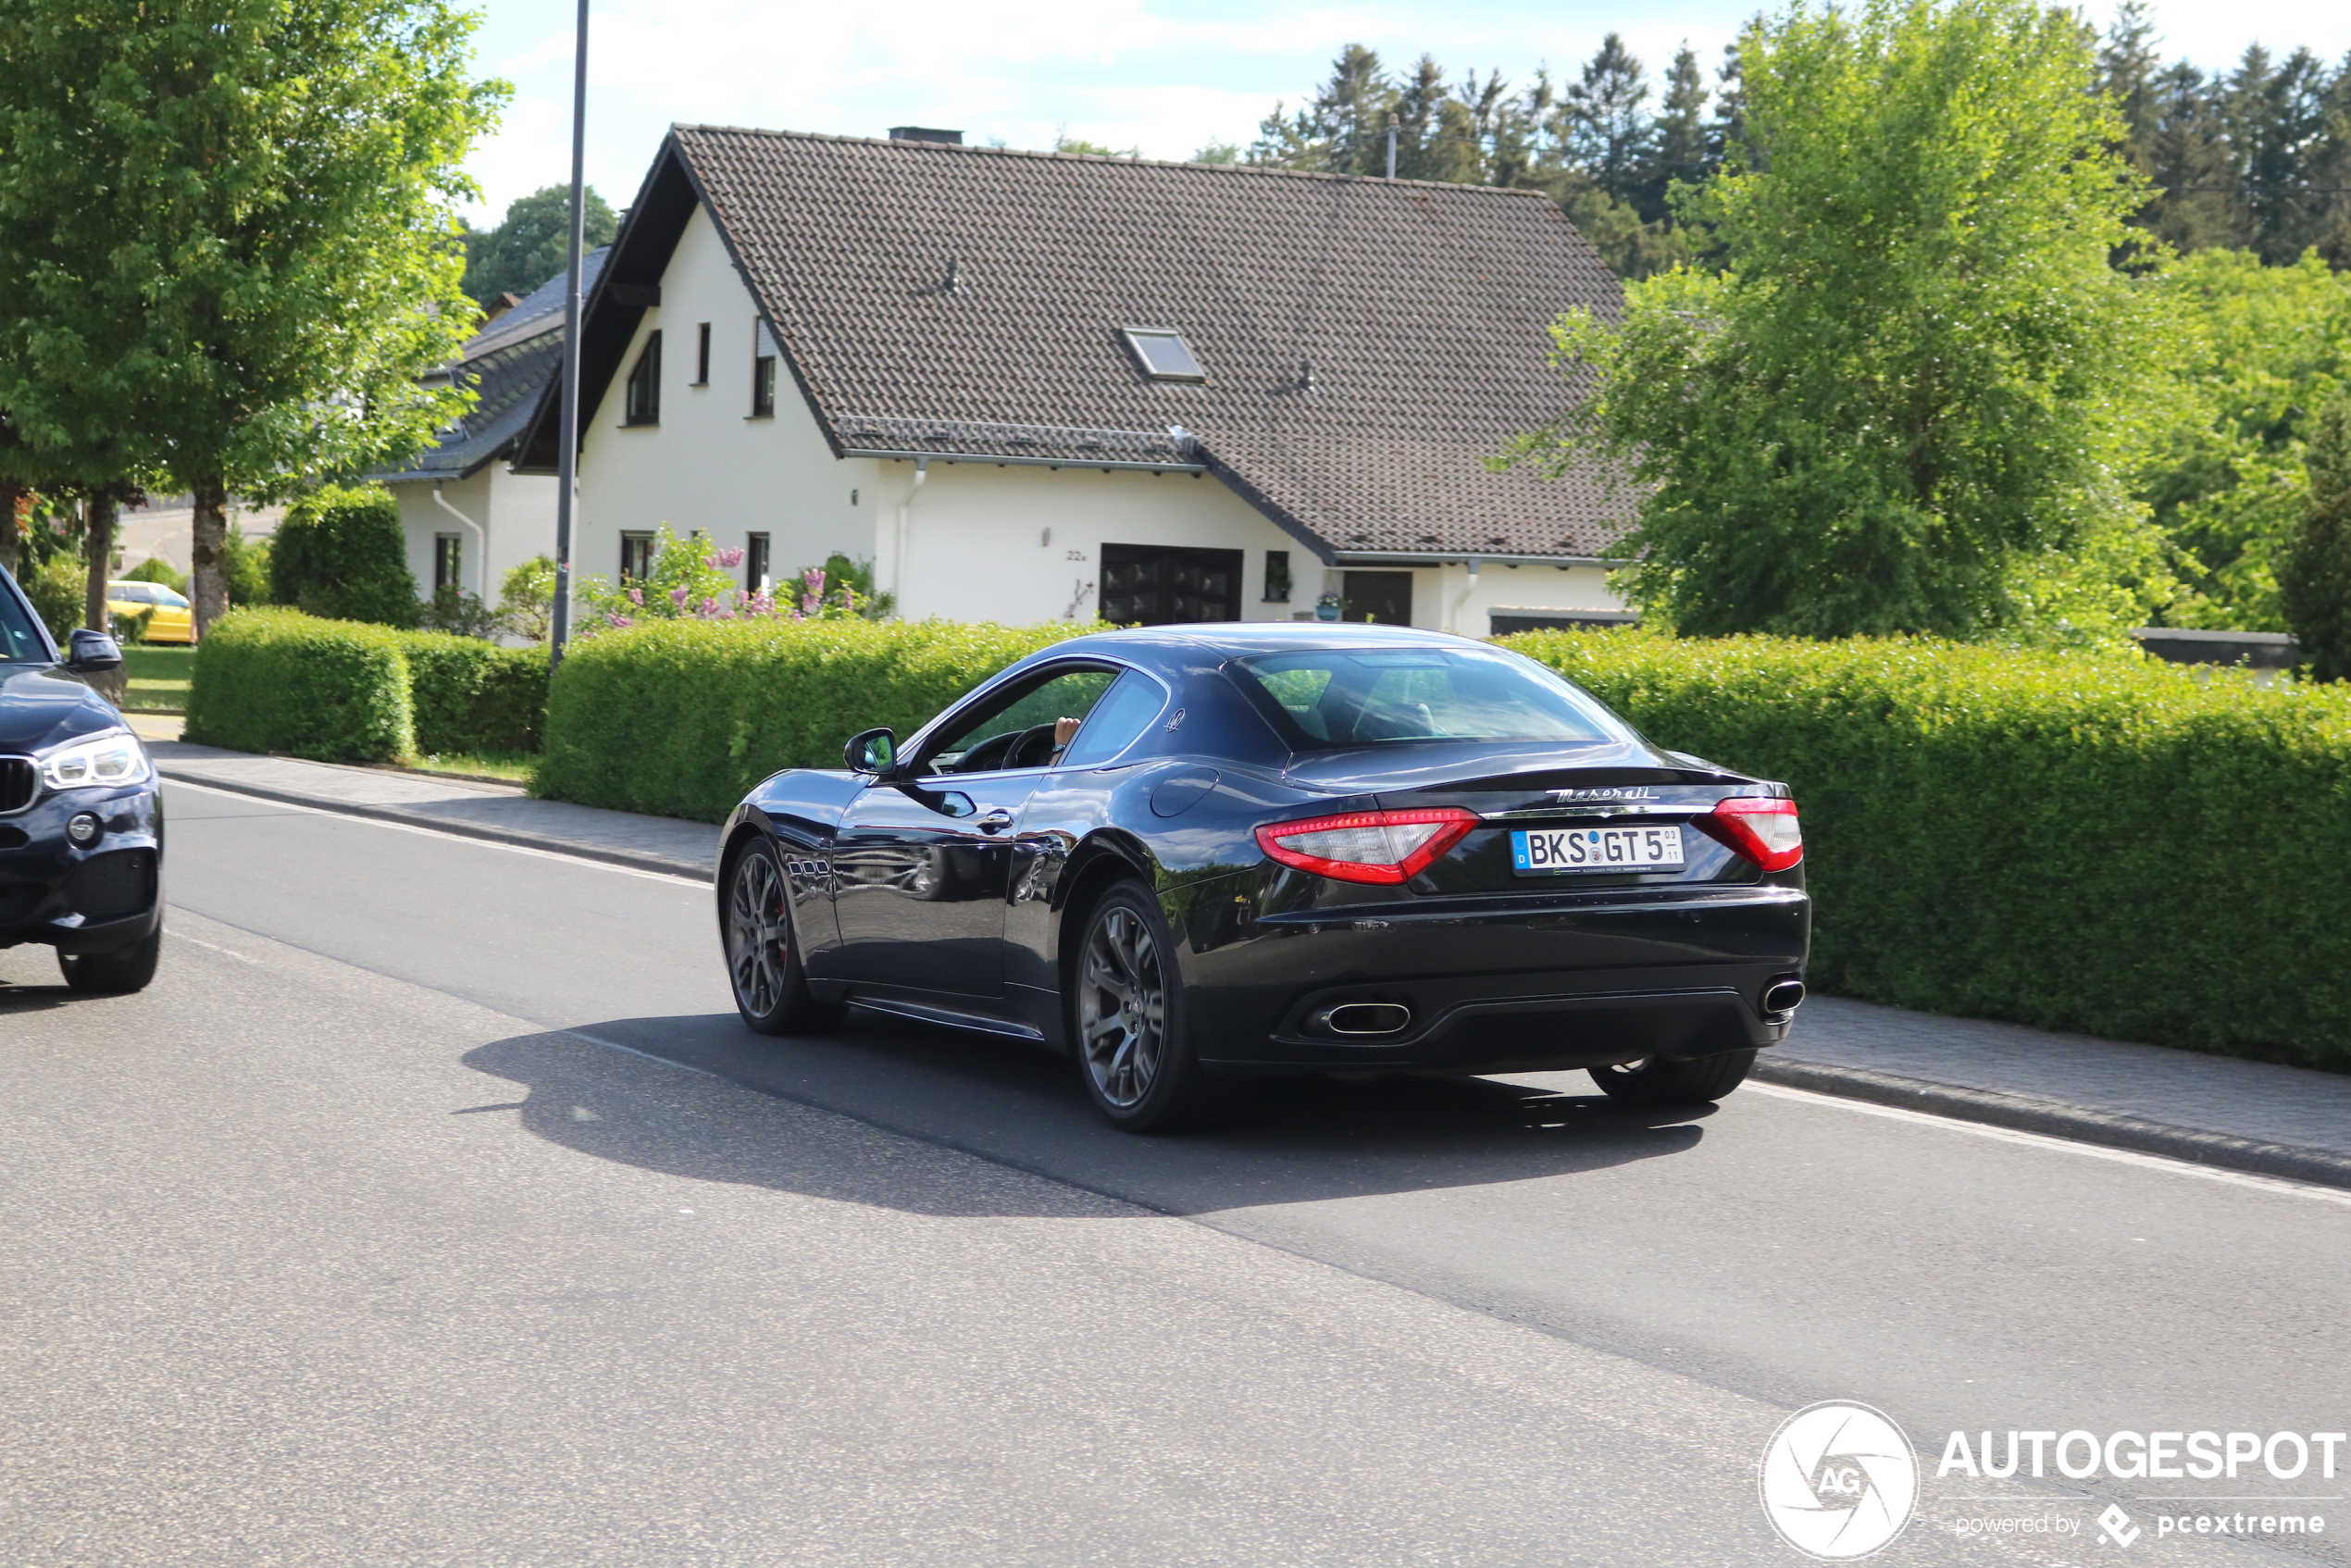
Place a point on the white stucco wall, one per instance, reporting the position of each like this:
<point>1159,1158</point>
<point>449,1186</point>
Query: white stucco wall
<point>970,542</point>
<point>515,513</point>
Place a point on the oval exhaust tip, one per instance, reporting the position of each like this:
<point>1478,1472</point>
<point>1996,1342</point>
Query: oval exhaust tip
<point>1367,1018</point>
<point>1782,996</point>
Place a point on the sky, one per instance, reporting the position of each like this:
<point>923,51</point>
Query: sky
<point>1165,76</point>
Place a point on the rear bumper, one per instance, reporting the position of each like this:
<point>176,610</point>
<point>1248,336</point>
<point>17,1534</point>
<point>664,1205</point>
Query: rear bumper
<point>82,901</point>
<point>1492,987</point>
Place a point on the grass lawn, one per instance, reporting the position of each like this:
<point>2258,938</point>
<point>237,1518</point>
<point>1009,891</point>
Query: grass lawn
<point>159,673</point>
<point>513,766</point>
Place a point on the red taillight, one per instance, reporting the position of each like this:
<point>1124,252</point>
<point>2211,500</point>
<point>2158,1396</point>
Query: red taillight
<point>1368,846</point>
<point>1764,831</point>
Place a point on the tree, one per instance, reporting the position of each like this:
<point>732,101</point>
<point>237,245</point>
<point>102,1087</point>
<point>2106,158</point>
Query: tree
<point>1677,147</point>
<point>2265,346</point>
<point>1903,404</point>
<point>237,216</point>
<point>1603,125</point>
<point>2316,571</point>
<point>526,247</point>
<point>340,553</point>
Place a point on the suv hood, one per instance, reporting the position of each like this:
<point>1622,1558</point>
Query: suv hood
<point>42,706</point>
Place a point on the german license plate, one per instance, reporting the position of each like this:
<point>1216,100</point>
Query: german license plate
<point>1544,851</point>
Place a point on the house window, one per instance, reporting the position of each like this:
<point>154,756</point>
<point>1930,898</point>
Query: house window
<point>1163,354</point>
<point>1154,585</point>
<point>701,355</point>
<point>636,556</point>
<point>447,561</point>
<point>1277,576</point>
<point>1381,598</point>
<point>644,383</point>
<point>763,386</point>
<point>755,562</point>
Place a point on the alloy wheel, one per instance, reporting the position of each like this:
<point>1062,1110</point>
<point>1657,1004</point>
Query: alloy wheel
<point>756,932</point>
<point>1122,1008</point>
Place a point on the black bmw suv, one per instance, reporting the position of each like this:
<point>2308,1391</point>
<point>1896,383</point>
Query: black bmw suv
<point>81,818</point>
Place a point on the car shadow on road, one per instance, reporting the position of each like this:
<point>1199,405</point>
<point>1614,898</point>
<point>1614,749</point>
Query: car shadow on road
<point>1305,1141</point>
<point>17,997</point>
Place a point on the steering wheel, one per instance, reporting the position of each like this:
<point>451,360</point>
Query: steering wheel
<point>1032,748</point>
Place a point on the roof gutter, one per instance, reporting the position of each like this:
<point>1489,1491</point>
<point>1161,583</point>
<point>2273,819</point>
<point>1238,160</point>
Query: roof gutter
<point>1471,558</point>
<point>1003,459</point>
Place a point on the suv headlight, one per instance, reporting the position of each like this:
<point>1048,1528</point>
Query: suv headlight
<point>96,762</point>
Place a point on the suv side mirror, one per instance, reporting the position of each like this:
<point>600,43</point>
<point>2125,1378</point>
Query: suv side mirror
<point>871,751</point>
<point>91,652</point>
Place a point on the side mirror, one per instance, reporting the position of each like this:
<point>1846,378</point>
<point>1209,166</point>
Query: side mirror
<point>91,653</point>
<point>871,751</point>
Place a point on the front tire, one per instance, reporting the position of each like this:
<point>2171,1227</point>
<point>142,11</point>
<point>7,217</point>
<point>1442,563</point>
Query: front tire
<point>1652,1082</point>
<point>1127,1018</point>
<point>763,954</point>
<point>118,972</point>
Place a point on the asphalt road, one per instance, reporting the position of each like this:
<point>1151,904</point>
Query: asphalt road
<point>433,1208</point>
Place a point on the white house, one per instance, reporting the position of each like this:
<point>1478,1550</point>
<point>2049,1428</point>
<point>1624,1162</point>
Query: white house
<point>1041,386</point>
<point>469,518</point>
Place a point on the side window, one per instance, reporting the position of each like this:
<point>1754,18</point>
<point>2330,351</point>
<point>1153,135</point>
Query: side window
<point>1026,727</point>
<point>1116,720</point>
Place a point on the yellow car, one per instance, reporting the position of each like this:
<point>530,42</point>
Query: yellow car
<point>173,621</point>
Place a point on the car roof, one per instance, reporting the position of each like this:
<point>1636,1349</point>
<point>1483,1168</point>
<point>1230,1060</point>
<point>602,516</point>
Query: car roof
<point>1241,638</point>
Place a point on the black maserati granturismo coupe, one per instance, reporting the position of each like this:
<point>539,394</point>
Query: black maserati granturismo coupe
<point>1185,856</point>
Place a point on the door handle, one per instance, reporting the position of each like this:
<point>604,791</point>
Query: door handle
<point>995,821</point>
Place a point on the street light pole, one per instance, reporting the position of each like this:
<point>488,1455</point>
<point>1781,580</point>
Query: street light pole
<point>568,435</point>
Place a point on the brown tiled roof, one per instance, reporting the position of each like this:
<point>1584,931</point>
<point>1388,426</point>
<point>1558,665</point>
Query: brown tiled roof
<point>1368,343</point>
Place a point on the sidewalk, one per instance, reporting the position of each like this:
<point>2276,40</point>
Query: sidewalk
<point>498,812</point>
<point>2213,1110</point>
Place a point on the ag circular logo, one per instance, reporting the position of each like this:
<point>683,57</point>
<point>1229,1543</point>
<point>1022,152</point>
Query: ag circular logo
<point>1839,1481</point>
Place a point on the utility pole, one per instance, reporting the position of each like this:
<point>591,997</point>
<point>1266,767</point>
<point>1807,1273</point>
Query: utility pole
<point>567,434</point>
<point>1391,147</point>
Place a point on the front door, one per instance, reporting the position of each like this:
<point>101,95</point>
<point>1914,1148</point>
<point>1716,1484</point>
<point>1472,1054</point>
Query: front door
<point>1381,598</point>
<point>923,866</point>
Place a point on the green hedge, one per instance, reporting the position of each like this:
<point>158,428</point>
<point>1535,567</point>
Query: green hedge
<point>474,696</point>
<point>2091,844</point>
<point>680,717</point>
<point>279,680</point>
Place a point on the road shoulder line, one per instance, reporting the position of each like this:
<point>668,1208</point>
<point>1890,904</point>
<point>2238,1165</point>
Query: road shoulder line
<point>634,859</point>
<point>2054,1118</point>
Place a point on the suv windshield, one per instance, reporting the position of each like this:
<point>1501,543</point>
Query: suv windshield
<point>1330,698</point>
<point>19,639</point>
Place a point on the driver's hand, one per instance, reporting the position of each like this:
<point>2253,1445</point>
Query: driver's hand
<point>1064,731</point>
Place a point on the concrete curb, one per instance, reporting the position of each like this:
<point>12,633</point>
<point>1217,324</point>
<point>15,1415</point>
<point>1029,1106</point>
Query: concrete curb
<point>633,859</point>
<point>2055,1118</point>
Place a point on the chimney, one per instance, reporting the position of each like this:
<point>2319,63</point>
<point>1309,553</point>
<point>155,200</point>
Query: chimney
<point>925,133</point>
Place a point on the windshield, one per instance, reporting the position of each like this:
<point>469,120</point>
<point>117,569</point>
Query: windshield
<point>1328,698</point>
<point>19,639</point>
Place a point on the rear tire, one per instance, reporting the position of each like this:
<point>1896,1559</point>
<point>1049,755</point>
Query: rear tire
<point>1126,1012</point>
<point>1652,1082</point>
<point>118,972</point>
<point>763,952</point>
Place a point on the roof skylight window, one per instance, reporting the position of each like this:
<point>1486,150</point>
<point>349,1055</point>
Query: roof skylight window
<point>1164,354</point>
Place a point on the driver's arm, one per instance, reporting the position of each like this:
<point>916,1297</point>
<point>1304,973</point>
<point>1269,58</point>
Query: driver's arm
<point>1064,731</point>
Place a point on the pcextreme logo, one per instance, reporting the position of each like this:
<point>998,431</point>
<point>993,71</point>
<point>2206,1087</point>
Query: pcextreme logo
<point>1839,1481</point>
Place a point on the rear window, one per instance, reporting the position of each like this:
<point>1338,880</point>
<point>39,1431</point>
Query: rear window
<point>1330,698</point>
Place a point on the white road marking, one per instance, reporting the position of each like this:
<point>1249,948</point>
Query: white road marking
<point>213,947</point>
<point>2042,1141</point>
<point>444,835</point>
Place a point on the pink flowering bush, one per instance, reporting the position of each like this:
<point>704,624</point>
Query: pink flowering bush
<point>693,580</point>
